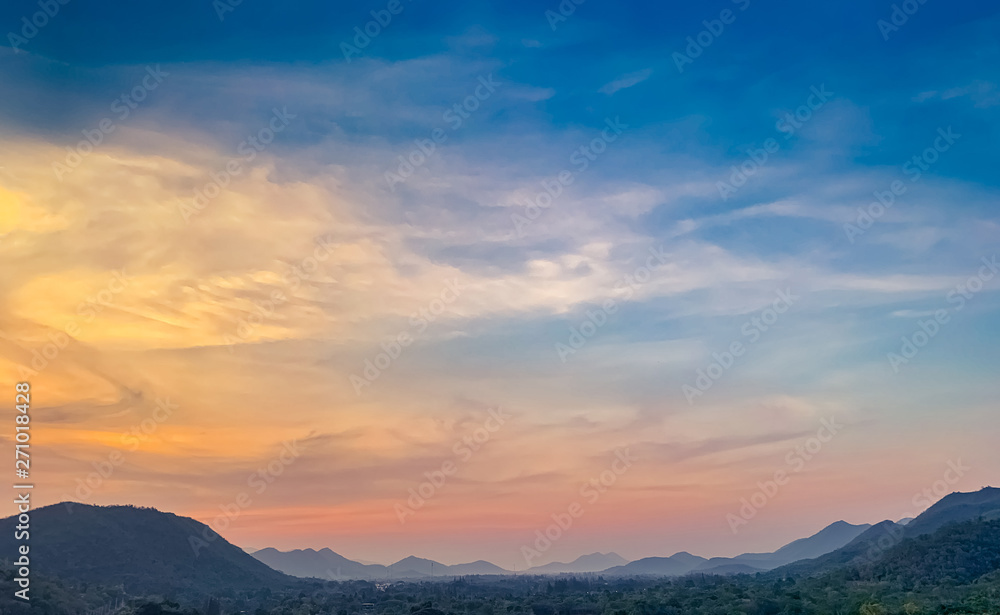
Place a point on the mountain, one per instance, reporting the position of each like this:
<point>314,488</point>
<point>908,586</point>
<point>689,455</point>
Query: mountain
<point>328,565</point>
<point>867,546</point>
<point>477,567</point>
<point>417,567</point>
<point>956,507</point>
<point>594,562</point>
<point>830,538</point>
<point>412,567</point>
<point>873,543</point>
<point>956,553</point>
<point>837,544</point>
<point>146,550</point>
<point>676,565</point>
<point>963,552</point>
<point>322,564</point>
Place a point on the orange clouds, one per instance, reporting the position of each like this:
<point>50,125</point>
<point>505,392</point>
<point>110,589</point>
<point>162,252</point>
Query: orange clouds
<point>252,315</point>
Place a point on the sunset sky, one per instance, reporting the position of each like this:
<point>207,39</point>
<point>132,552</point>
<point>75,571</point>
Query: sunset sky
<point>244,285</point>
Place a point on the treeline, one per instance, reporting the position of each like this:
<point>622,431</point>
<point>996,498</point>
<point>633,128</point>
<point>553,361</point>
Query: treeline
<point>953,571</point>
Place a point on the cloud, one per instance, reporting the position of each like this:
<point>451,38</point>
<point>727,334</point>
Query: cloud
<point>983,94</point>
<point>626,81</point>
<point>311,219</point>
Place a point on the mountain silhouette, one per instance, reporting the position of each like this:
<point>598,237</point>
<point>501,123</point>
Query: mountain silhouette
<point>873,543</point>
<point>310,563</point>
<point>328,565</point>
<point>323,564</point>
<point>830,538</point>
<point>676,565</point>
<point>149,551</point>
<point>956,507</point>
<point>593,562</point>
<point>153,552</point>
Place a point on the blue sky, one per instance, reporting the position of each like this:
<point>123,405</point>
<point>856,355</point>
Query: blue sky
<point>889,95</point>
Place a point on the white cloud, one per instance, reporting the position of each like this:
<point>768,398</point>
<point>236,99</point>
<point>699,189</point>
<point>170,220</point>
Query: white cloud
<point>626,81</point>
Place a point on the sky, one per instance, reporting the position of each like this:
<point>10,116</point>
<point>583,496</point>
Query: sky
<point>697,277</point>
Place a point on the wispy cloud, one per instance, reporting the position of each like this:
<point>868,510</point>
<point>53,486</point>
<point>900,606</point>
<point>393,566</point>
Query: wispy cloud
<point>626,81</point>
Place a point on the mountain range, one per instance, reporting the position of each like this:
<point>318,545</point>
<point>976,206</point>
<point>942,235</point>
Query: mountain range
<point>830,538</point>
<point>594,562</point>
<point>326,564</point>
<point>834,545</point>
<point>150,552</point>
<point>873,542</point>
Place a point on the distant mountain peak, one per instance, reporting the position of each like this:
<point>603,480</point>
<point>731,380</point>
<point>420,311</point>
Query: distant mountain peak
<point>591,562</point>
<point>955,507</point>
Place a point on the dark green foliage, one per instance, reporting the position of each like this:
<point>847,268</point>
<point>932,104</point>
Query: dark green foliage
<point>957,554</point>
<point>952,571</point>
<point>955,571</point>
<point>146,551</point>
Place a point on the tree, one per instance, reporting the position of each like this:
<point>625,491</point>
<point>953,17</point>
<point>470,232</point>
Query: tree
<point>872,608</point>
